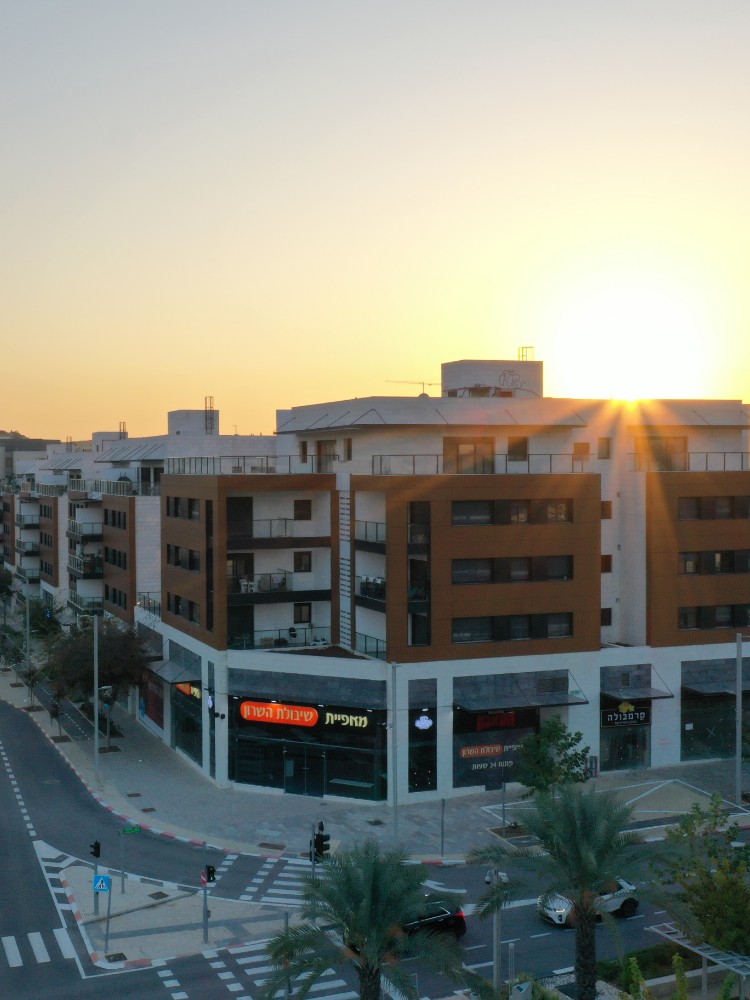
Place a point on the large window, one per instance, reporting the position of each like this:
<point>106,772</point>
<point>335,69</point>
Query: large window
<point>712,562</point>
<point>511,569</point>
<point>509,628</point>
<point>518,449</point>
<point>512,511</point>
<point>713,508</point>
<point>303,510</point>
<point>713,616</point>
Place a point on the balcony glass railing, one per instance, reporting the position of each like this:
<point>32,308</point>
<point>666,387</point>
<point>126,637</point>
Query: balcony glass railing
<point>249,465</point>
<point>29,574</point>
<point>86,565</point>
<point>693,461</point>
<point>27,548</point>
<point>27,520</point>
<point>369,531</point>
<point>150,602</point>
<point>84,529</point>
<point>500,464</point>
<point>370,586</point>
<point>86,605</point>
<point>369,645</point>
<point>261,583</point>
<point>280,638</point>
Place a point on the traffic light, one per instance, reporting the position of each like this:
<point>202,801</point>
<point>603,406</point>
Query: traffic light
<point>322,844</point>
<point>96,849</point>
<point>210,873</point>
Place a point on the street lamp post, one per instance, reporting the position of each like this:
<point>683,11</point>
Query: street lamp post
<point>96,699</point>
<point>738,722</point>
<point>495,877</point>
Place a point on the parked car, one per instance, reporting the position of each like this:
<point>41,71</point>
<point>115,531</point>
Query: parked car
<point>439,919</point>
<point>618,896</point>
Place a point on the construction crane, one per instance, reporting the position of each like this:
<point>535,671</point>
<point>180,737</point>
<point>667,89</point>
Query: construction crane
<point>398,381</point>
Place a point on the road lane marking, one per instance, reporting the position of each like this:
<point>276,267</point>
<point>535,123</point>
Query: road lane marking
<point>64,943</point>
<point>37,946</point>
<point>11,952</point>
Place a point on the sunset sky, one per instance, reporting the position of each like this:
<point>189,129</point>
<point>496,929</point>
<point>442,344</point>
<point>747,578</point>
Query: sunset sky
<point>278,203</point>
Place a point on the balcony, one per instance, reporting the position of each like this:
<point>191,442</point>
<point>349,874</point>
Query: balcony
<point>370,535</point>
<point>29,574</point>
<point>151,603</point>
<point>83,530</point>
<point>249,465</point>
<point>500,464</point>
<point>272,588</point>
<point>272,533</point>
<point>691,461</point>
<point>85,605</point>
<point>370,646</point>
<point>371,588</point>
<point>27,548</point>
<point>86,567</point>
<point>297,636</point>
<point>27,520</point>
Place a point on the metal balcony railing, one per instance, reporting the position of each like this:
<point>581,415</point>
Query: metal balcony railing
<point>27,520</point>
<point>500,464</point>
<point>85,605</point>
<point>249,465</point>
<point>30,574</point>
<point>92,566</point>
<point>691,461</point>
<point>27,548</point>
<point>150,602</point>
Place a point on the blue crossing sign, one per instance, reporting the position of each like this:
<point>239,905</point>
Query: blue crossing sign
<point>102,883</point>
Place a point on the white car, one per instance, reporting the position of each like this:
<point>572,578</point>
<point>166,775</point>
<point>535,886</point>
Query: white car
<point>618,896</point>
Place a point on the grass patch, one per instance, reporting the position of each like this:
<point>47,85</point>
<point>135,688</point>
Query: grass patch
<point>653,962</point>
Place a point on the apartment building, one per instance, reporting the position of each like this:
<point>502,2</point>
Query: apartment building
<point>386,604</point>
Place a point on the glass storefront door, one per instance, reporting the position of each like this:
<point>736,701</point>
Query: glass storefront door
<point>304,769</point>
<point>623,748</point>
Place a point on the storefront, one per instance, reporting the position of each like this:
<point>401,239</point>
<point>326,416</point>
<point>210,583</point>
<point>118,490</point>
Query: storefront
<point>625,716</point>
<point>708,706</point>
<point>331,742</point>
<point>493,714</point>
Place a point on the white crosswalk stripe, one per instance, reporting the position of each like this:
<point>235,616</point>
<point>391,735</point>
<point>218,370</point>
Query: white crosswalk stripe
<point>330,986</point>
<point>26,949</point>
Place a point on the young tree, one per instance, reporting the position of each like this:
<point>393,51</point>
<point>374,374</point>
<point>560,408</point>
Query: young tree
<point>712,870</point>
<point>361,900</point>
<point>551,757</point>
<point>584,847</point>
<point>122,660</point>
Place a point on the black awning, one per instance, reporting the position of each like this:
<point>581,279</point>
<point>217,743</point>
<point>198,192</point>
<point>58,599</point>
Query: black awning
<point>637,693</point>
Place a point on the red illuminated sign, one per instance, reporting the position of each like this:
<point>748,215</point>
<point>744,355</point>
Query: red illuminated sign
<point>290,715</point>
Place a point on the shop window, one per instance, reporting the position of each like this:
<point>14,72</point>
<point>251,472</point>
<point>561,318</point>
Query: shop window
<point>303,562</point>
<point>302,614</point>
<point>605,617</point>
<point>606,563</point>
<point>604,448</point>
<point>518,449</point>
<point>303,510</point>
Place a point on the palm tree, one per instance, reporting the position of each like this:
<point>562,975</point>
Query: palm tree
<point>354,911</point>
<point>584,846</point>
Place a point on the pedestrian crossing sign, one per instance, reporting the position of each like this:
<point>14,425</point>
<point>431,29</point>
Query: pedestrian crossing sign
<point>102,883</point>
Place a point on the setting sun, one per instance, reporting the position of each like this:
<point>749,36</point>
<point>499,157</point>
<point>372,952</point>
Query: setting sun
<point>629,336</point>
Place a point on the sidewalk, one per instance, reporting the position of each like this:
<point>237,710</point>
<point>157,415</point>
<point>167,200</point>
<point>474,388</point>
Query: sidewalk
<point>149,784</point>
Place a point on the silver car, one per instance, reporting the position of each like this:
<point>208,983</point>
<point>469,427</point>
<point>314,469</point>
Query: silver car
<point>618,896</point>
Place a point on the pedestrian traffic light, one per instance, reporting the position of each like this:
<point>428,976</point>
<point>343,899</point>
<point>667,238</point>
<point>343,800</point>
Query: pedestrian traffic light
<point>210,873</point>
<point>322,844</point>
<point>96,849</point>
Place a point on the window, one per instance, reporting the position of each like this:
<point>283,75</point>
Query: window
<point>519,626</point>
<point>303,510</point>
<point>606,564</point>
<point>471,571</point>
<point>559,567</point>
<point>687,618</point>
<point>606,510</point>
<point>302,614</point>
<point>688,508</point>
<point>520,569</point>
<point>472,629</point>
<point>468,456</point>
<point>687,562</point>
<point>194,510</point>
<point>518,449</point>
<point>723,508</point>
<point>347,449</point>
<point>519,511</point>
<point>606,616</point>
<point>604,448</point>
<point>471,512</point>
<point>559,625</point>
<point>303,452</point>
<point>303,562</point>
<point>723,562</point>
<point>559,510</point>
<point>723,617</point>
